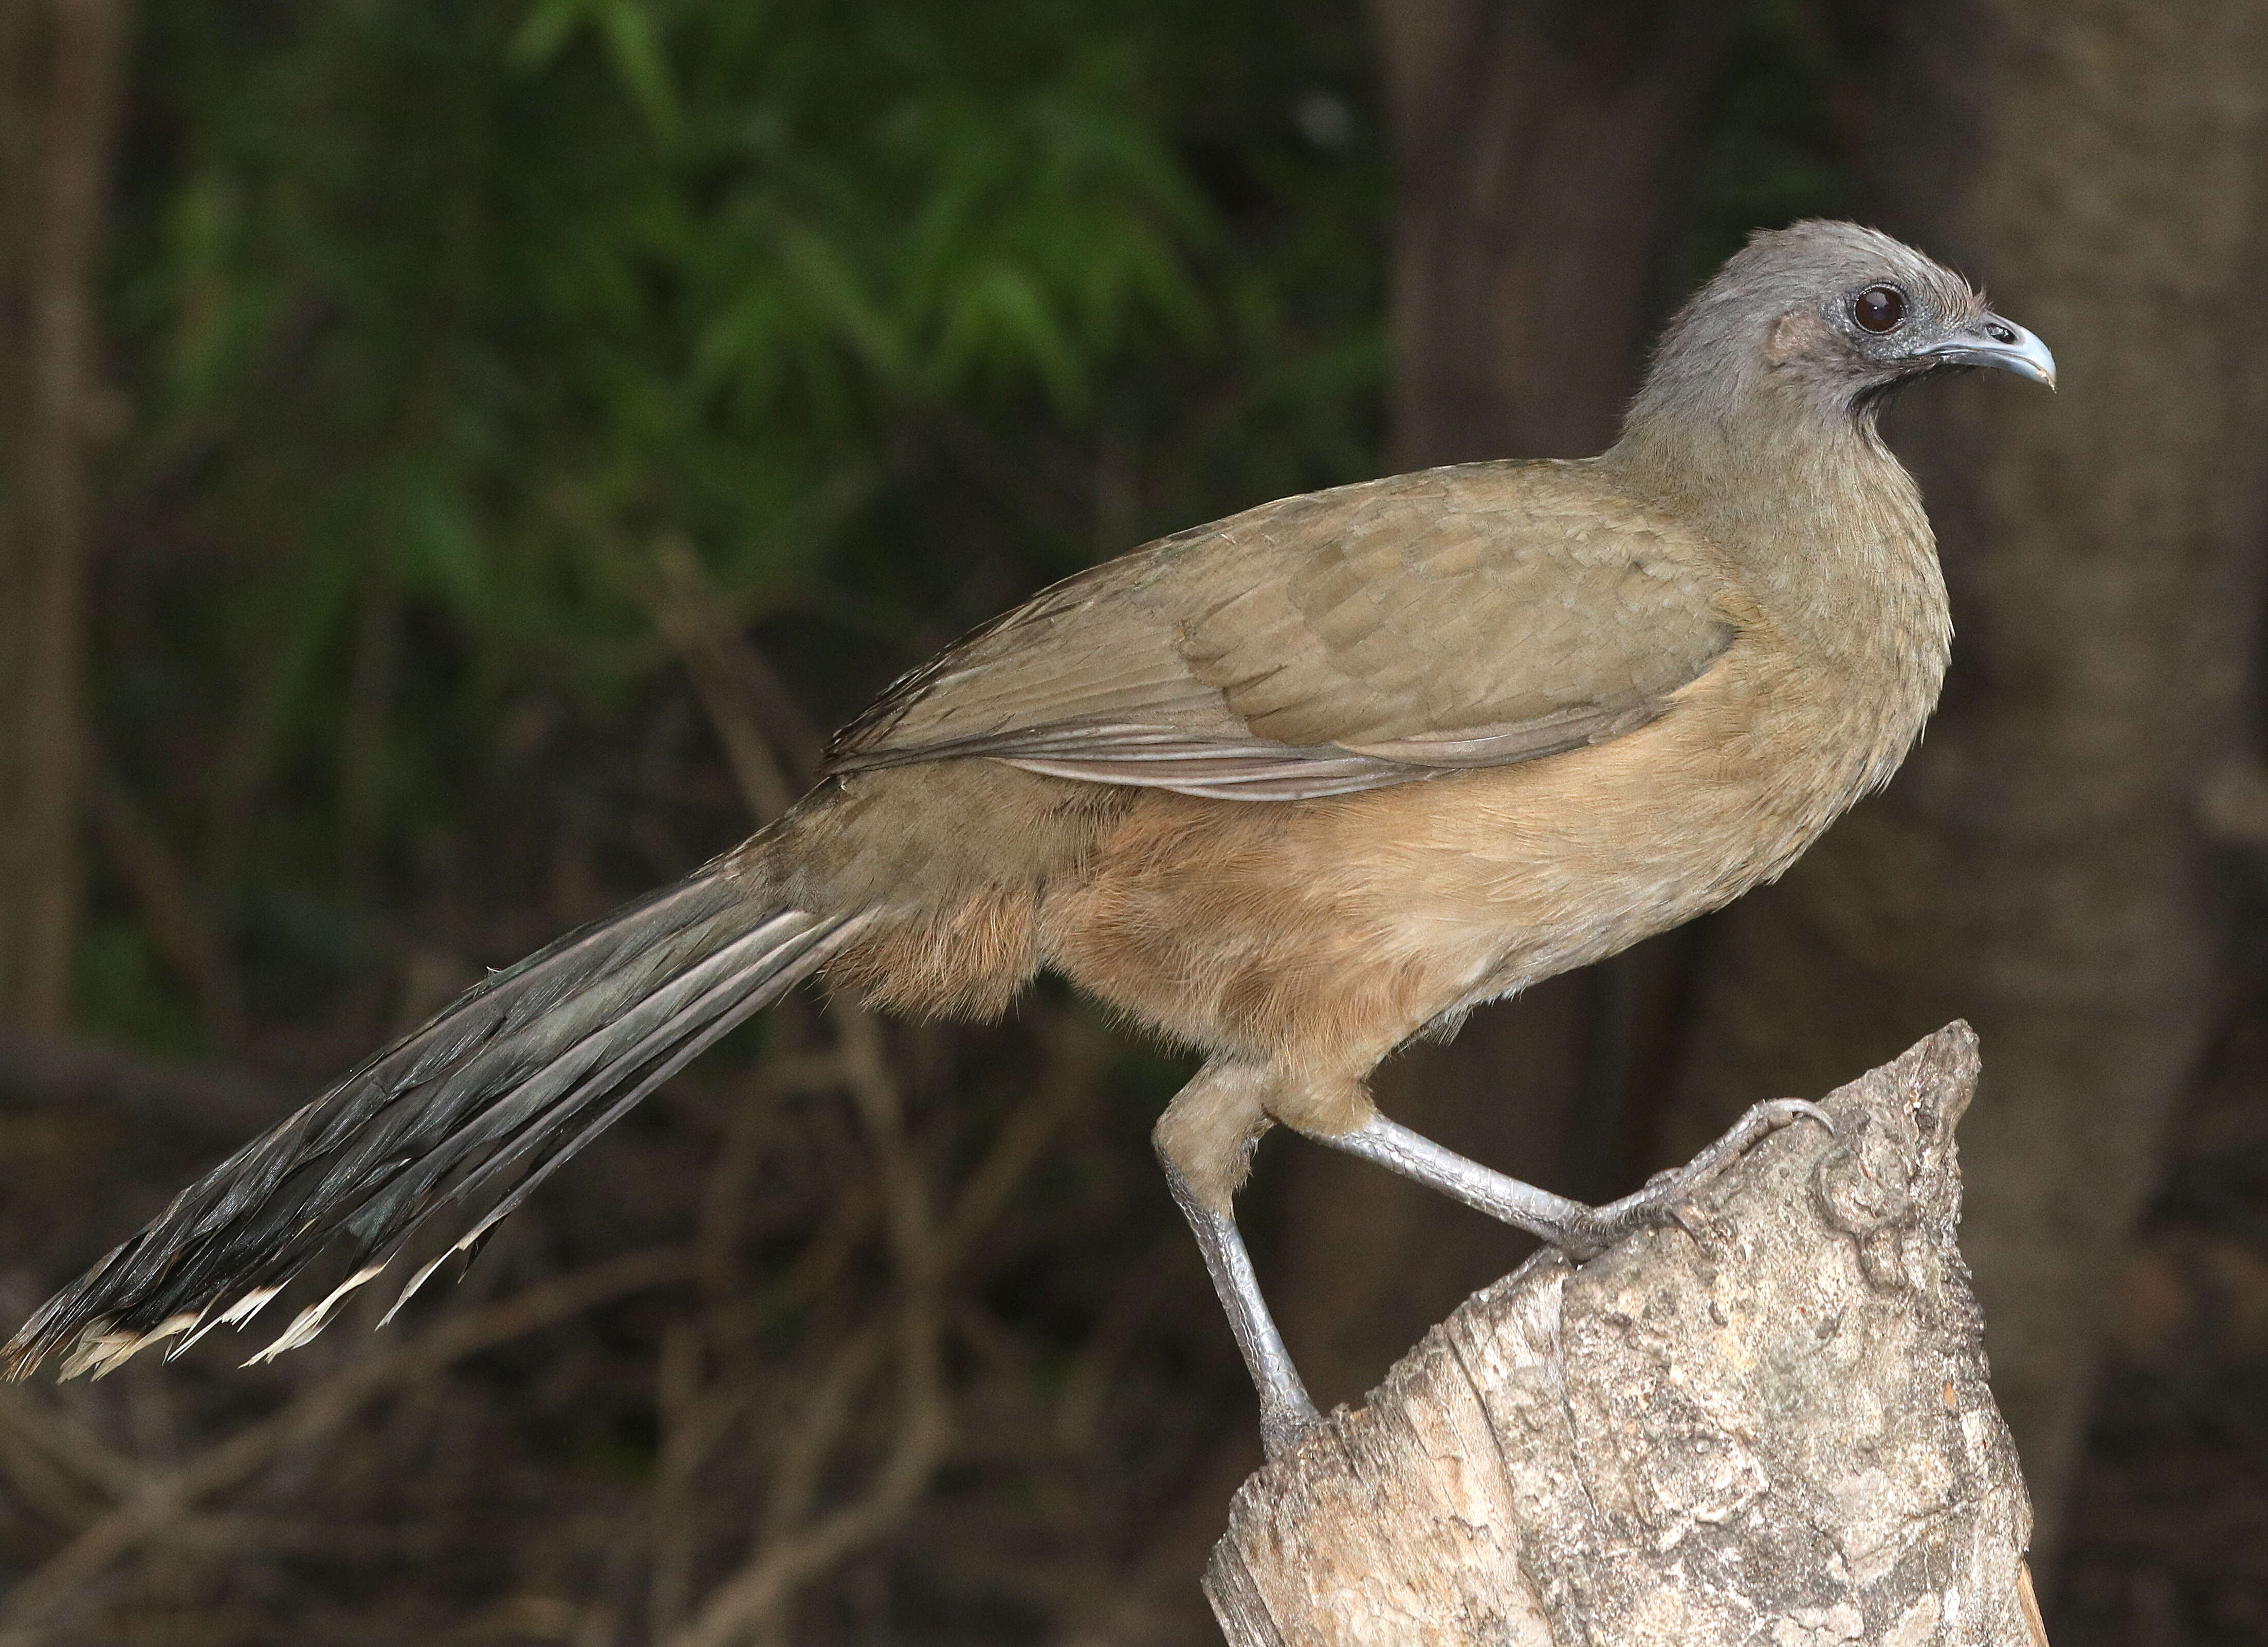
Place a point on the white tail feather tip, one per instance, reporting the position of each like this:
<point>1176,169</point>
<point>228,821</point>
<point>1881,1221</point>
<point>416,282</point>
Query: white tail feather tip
<point>315,1317</point>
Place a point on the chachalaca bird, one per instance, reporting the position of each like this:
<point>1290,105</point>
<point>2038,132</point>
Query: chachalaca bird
<point>1290,789</point>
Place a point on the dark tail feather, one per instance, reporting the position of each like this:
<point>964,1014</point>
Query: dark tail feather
<point>459,1120</point>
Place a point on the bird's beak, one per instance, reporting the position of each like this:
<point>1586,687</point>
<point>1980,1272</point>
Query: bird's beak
<point>1989,341</point>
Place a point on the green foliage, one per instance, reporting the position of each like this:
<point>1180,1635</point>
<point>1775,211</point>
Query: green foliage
<point>441,319</point>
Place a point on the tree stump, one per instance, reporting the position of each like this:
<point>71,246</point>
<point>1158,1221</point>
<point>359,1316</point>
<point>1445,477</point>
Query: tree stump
<point>1771,1427</point>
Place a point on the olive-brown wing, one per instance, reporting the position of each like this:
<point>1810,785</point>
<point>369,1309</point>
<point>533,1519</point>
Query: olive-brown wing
<point>1371,635</point>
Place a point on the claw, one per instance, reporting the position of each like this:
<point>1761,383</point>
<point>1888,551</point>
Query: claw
<point>1804,1109</point>
<point>1283,1428</point>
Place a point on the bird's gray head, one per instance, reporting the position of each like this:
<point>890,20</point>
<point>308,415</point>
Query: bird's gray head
<point>1832,317</point>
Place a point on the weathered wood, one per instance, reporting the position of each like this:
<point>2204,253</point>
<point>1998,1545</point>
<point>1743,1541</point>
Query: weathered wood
<point>1772,1429</point>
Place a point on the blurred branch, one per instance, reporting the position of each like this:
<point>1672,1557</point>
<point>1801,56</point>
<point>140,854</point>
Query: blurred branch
<point>69,1443</point>
<point>790,1548</point>
<point>1048,500</point>
<point>768,739</point>
<point>61,63</point>
<point>828,1407</point>
<point>763,729</point>
<point>372,680</point>
<point>37,1475</point>
<point>691,1422</point>
<point>2232,803</point>
<point>177,921</point>
<point>60,1070</point>
<point>781,1560</point>
<point>1077,1052</point>
<point>39,1600</point>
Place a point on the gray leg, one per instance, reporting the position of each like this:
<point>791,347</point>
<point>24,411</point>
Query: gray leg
<point>1576,1229</point>
<point>1285,1410</point>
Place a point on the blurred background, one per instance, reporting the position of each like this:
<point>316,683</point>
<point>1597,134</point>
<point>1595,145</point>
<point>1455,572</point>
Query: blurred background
<point>457,460</point>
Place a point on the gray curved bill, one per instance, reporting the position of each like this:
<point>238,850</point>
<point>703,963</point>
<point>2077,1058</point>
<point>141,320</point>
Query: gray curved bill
<point>1994,340</point>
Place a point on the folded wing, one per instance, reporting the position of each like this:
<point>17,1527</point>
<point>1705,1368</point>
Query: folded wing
<point>1376,634</point>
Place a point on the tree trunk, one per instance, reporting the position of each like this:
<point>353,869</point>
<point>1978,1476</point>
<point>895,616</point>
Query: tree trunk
<point>2037,866</point>
<point>59,80</point>
<point>1543,149</point>
<point>1777,1429</point>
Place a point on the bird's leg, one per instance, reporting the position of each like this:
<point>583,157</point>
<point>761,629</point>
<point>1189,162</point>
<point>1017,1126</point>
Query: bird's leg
<point>1579,1230</point>
<point>1204,1141</point>
<point>1285,1410</point>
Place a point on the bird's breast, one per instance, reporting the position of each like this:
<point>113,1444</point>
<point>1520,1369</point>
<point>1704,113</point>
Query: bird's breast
<point>1532,869</point>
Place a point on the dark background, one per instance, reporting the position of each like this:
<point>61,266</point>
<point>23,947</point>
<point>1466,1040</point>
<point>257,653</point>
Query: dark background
<point>456,460</point>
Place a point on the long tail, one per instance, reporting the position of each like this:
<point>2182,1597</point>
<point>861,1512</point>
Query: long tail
<point>459,1120</point>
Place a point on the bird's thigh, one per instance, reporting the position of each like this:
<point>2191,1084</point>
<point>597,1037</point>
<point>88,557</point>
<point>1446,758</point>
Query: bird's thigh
<point>1322,1106</point>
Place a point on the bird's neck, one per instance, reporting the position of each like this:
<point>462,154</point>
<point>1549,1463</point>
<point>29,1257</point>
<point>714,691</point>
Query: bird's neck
<point>1818,515</point>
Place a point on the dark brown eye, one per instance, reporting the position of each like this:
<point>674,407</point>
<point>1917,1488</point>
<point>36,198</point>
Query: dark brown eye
<point>1878,308</point>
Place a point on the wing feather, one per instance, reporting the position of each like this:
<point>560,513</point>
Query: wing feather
<point>1377,634</point>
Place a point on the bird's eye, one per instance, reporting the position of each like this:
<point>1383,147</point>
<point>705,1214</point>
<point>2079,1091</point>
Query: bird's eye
<point>1878,308</point>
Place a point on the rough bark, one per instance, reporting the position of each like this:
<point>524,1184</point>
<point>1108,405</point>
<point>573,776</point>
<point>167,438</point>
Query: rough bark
<point>2039,866</point>
<point>1777,1430</point>
<point>59,78</point>
<point>1541,149</point>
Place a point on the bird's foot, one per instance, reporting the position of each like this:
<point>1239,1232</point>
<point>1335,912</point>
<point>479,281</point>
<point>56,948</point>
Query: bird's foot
<point>1591,1231</point>
<point>1286,1417</point>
